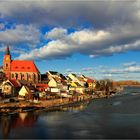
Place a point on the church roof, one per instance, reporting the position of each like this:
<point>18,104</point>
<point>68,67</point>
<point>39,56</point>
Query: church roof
<point>23,66</point>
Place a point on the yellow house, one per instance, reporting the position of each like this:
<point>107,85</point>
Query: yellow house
<point>26,90</point>
<point>75,78</point>
<point>75,86</point>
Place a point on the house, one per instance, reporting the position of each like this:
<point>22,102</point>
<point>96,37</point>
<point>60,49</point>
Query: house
<point>57,84</point>
<point>75,87</point>
<point>10,87</point>
<point>91,83</point>
<point>52,74</point>
<point>42,87</point>
<point>74,78</point>
<point>26,92</point>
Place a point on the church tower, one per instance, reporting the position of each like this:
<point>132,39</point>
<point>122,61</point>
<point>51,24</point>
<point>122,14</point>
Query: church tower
<point>7,63</point>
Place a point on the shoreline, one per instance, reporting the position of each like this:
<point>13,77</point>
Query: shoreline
<point>26,106</point>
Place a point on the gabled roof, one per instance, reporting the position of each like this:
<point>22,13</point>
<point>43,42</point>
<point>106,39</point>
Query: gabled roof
<point>15,83</point>
<point>23,66</point>
<point>90,80</point>
<point>53,72</point>
<point>74,74</point>
<point>29,88</point>
<point>62,77</point>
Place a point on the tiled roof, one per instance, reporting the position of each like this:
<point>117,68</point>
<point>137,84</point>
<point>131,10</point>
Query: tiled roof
<point>42,85</point>
<point>23,66</point>
<point>15,83</point>
<point>90,80</point>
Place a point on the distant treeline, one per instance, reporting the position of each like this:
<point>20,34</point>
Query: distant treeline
<point>126,83</point>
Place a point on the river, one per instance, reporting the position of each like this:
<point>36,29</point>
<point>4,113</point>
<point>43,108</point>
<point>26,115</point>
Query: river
<point>116,117</point>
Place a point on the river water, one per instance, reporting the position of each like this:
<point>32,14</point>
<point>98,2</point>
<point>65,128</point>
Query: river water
<point>116,117</point>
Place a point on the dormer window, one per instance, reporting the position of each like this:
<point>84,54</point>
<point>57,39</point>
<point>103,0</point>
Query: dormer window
<point>16,67</point>
<point>22,67</point>
<point>28,67</point>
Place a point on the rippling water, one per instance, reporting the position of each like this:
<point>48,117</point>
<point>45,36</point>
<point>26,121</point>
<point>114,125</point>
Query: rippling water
<point>116,117</point>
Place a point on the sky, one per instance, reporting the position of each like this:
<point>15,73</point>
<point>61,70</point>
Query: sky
<point>100,39</point>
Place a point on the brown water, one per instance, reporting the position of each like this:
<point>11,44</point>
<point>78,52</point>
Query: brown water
<point>117,117</point>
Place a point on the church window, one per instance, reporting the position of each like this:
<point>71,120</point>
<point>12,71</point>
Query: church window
<point>16,67</point>
<point>12,75</point>
<point>16,75</point>
<point>28,67</point>
<point>22,67</point>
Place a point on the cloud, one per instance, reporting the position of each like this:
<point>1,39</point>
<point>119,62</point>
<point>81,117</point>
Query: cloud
<point>113,27</point>
<point>20,34</point>
<point>56,33</point>
<point>100,14</point>
<point>86,41</point>
<point>87,69</point>
<point>129,64</point>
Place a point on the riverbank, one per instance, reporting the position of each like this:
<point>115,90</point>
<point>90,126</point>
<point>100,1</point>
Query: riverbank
<point>25,106</point>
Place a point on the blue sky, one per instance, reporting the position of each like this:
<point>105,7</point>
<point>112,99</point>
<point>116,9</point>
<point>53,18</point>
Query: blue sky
<point>100,39</point>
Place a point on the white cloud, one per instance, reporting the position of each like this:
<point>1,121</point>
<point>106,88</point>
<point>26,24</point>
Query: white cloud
<point>56,33</point>
<point>86,41</point>
<point>20,34</point>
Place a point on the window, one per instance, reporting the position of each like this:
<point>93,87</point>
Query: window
<point>22,67</point>
<point>12,75</point>
<point>16,67</point>
<point>28,67</point>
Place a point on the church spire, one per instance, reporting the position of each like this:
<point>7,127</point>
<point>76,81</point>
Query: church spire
<point>7,50</point>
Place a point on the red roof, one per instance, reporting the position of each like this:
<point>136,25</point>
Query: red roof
<point>42,85</point>
<point>23,66</point>
<point>15,83</point>
<point>90,80</point>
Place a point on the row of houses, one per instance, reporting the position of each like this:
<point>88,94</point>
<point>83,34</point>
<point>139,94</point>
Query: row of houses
<point>53,82</point>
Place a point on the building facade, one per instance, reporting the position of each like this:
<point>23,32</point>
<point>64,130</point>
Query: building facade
<point>20,69</point>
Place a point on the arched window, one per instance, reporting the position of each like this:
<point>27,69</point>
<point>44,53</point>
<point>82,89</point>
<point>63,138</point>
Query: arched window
<point>16,75</point>
<point>12,75</point>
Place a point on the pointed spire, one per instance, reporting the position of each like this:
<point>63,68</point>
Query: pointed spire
<point>7,50</point>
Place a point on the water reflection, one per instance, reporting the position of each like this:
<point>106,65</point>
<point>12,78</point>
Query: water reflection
<point>28,119</point>
<point>10,122</point>
<point>76,108</point>
<point>116,117</point>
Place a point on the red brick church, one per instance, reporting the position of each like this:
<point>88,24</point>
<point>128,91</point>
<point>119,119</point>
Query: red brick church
<point>20,69</point>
